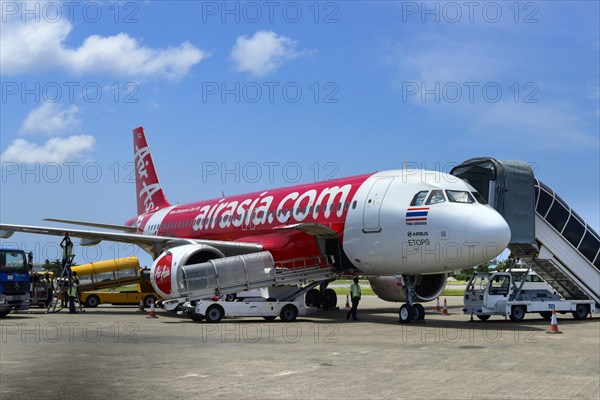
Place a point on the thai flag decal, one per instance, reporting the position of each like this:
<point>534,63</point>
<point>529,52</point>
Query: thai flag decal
<point>417,214</point>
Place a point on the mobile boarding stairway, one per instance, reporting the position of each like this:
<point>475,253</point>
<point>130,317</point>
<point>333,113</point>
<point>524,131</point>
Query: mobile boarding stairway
<point>547,234</point>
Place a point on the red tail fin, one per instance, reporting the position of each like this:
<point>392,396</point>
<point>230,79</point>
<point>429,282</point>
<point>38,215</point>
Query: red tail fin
<point>150,196</point>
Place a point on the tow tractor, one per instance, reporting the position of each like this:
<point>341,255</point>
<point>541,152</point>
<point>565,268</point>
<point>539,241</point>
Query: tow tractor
<point>503,293</point>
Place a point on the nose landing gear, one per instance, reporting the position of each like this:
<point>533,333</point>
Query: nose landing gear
<point>410,312</point>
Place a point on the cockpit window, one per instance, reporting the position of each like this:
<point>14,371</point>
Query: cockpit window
<point>436,196</point>
<point>419,198</point>
<point>479,198</point>
<point>457,196</point>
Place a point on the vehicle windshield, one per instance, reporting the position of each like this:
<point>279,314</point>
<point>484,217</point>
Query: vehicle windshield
<point>478,283</point>
<point>12,261</point>
<point>458,196</point>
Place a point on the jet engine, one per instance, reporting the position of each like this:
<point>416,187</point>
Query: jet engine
<point>163,274</point>
<point>195,271</point>
<point>427,287</point>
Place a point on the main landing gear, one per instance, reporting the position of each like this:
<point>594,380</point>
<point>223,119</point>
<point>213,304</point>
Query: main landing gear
<point>324,298</point>
<point>410,312</point>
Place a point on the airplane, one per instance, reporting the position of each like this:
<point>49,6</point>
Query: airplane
<point>405,229</point>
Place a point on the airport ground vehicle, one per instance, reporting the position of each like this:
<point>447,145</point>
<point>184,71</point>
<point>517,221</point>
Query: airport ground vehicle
<point>499,293</point>
<point>14,281</point>
<point>38,295</point>
<point>99,283</point>
<point>285,302</point>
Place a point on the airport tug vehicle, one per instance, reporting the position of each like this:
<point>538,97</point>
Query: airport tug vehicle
<point>515,294</point>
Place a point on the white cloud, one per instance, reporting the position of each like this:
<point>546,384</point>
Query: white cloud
<point>56,150</point>
<point>40,46</point>
<point>263,53</point>
<point>51,118</point>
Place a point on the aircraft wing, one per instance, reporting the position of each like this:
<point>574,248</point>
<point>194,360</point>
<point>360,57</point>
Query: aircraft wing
<point>154,245</point>
<point>123,228</point>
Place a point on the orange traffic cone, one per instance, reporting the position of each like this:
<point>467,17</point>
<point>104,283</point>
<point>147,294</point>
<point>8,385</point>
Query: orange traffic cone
<point>347,302</point>
<point>553,324</point>
<point>437,306</point>
<point>141,308</point>
<point>445,310</point>
<point>152,313</point>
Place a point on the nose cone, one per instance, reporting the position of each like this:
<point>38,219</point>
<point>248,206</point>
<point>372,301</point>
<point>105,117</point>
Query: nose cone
<point>488,233</point>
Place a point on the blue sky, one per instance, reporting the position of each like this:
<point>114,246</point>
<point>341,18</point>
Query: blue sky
<point>244,96</point>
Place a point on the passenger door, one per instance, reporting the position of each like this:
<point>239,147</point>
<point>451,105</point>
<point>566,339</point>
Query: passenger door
<point>372,208</point>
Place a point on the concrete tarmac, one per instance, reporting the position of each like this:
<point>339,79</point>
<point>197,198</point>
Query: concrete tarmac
<point>117,352</point>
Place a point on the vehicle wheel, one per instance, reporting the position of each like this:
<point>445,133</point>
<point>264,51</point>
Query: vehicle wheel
<point>92,301</point>
<point>196,317</point>
<point>270,318</point>
<point>484,317</point>
<point>313,298</point>
<point>419,312</point>
<point>518,313</point>
<point>406,313</point>
<point>289,313</point>
<point>4,313</point>
<point>581,311</point>
<point>547,315</point>
<point>214,313</point>
<point>329,299</point>
<point>148,300</point>
<point>230,297</point>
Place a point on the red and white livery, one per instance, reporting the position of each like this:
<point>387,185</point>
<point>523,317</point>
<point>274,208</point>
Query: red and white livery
<point>407,227</point>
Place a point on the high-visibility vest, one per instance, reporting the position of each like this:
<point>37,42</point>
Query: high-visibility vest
<point>73,291</point>
<point>355,290</point>
<point>68,250</point>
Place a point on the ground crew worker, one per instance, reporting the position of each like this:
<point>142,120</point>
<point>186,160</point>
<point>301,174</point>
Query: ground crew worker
<point>49,289</point>
<point>67,245</point>
<point>72,292</point>
<point>355,296</point>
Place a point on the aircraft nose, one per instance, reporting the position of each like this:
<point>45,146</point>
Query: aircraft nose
<point>489,233</point>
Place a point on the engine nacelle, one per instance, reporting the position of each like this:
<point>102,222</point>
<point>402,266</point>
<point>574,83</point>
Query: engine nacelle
<point>163,274</point>
<point>427,287</point>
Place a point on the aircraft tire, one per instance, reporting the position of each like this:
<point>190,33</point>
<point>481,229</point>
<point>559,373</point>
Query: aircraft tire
<point>419,312</point>
<point>329,299</point>
<point>314,298</point>
<point>406,314</point>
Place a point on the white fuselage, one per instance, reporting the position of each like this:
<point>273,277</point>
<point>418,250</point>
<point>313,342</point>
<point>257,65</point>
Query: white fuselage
<point>386,235</point>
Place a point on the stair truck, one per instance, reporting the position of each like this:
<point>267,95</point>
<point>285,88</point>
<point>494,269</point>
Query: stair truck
<point>509,294</point>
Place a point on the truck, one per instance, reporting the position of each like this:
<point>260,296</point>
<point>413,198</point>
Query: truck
<point>121,281</point>
<point>14,281</point>
<point>515,294</point>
